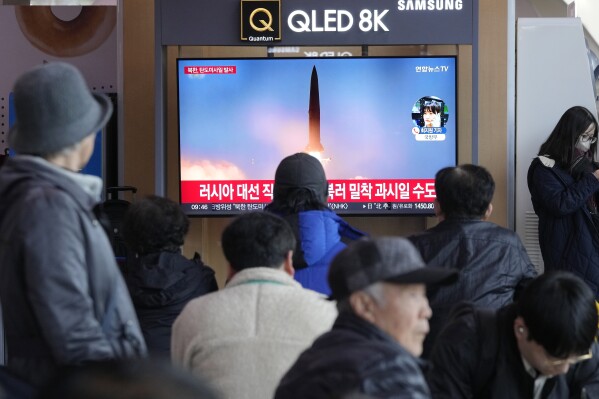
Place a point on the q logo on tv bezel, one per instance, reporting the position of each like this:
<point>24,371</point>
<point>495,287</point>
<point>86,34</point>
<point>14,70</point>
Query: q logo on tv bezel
<point>260,20</point>
<point>265,25</point>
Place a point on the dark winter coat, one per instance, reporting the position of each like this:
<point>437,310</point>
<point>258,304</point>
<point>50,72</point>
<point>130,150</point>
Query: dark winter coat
<point>355,357</point>
<point>567,236</point>
<point>470,361</point>
<point>161,284</point>
<point>492,262</point>
<point>63,298</point>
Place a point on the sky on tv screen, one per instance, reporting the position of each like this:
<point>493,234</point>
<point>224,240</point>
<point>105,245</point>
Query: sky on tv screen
<point>238,124</point>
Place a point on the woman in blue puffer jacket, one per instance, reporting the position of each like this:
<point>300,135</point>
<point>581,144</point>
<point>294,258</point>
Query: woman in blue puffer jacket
<point>300,196</point>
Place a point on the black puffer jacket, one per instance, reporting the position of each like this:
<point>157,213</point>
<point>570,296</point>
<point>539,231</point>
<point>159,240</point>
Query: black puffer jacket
<point>474,361</point>
<point>161,284</point>
<point>355,357</point>
<point>492,261</point>
<point>567,236</point>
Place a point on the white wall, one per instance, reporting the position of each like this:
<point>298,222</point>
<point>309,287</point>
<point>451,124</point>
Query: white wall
<point>552,75</point>
<point>17,55</point>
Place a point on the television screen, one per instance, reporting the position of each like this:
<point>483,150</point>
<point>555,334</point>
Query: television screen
<point>381,126</point>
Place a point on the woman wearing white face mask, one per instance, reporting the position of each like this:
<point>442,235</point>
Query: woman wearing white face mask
<point>564,184</point>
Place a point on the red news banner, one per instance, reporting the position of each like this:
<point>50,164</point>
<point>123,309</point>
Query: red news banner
<point>210,70</point>
<point>260,191</point>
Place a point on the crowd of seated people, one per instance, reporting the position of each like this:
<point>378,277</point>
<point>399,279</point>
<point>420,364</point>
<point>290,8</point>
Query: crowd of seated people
<point>456,311</point>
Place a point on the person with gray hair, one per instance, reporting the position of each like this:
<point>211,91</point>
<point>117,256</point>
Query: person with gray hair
<point>373,347</point>
<point>64,300</point>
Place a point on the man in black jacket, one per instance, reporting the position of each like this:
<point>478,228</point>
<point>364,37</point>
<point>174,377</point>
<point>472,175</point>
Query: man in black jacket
<point>373,347</point>
<point>492,261</point>
<point>542,347</point>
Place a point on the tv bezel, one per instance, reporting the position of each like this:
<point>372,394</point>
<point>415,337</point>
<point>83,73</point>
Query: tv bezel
<point>221,214</point>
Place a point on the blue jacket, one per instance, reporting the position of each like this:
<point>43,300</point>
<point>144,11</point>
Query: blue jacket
<point>567,236</point>
<point>319,235</point>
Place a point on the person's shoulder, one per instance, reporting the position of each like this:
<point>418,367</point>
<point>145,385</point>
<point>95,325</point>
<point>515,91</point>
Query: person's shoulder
<point>193,268</point>
<point>418,236</point>
<point>461,335</point>
<point>400,360</point>
<point>42,189</point>
<point>425,234</point>
<point>300,303</point>
<point>461,321</point>
<point>543,166</point>
<point>485,231</point>
<point>394,372</point>
<point>204,314</point>
<point>317,216</point>
<point>500,231</point>
<point>207,305</point>
<point>325,215</point>
<point>44,202</point>
<point>316,301</point>
<point>443,233</point>
<point>545,160</point>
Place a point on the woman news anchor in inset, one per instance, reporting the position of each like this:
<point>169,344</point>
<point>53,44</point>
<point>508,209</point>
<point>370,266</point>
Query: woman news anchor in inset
<point>431,113</point>
<point>564,181</point>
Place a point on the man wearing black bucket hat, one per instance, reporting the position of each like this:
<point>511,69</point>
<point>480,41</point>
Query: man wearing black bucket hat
<point>380,288</point>
<point>62,295</point>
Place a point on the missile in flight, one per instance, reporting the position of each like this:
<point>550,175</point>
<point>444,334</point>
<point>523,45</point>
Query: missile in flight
<point>314,144</point>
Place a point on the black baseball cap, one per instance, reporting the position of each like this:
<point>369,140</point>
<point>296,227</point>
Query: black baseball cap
<point>386,259</point>
<point>301,170</point>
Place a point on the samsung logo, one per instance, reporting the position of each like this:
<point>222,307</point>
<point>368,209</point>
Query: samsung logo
<point>429,5</point>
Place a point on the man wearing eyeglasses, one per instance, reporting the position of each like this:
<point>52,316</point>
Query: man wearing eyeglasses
<point>542,347</point>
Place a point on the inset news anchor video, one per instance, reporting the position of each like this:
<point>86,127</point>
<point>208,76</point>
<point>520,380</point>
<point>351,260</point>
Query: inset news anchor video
<point>381,126</point>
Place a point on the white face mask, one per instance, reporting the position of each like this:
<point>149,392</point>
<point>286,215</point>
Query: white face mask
<point>583,146</point>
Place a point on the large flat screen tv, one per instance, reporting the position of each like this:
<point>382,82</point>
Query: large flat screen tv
<point>381,126</point>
